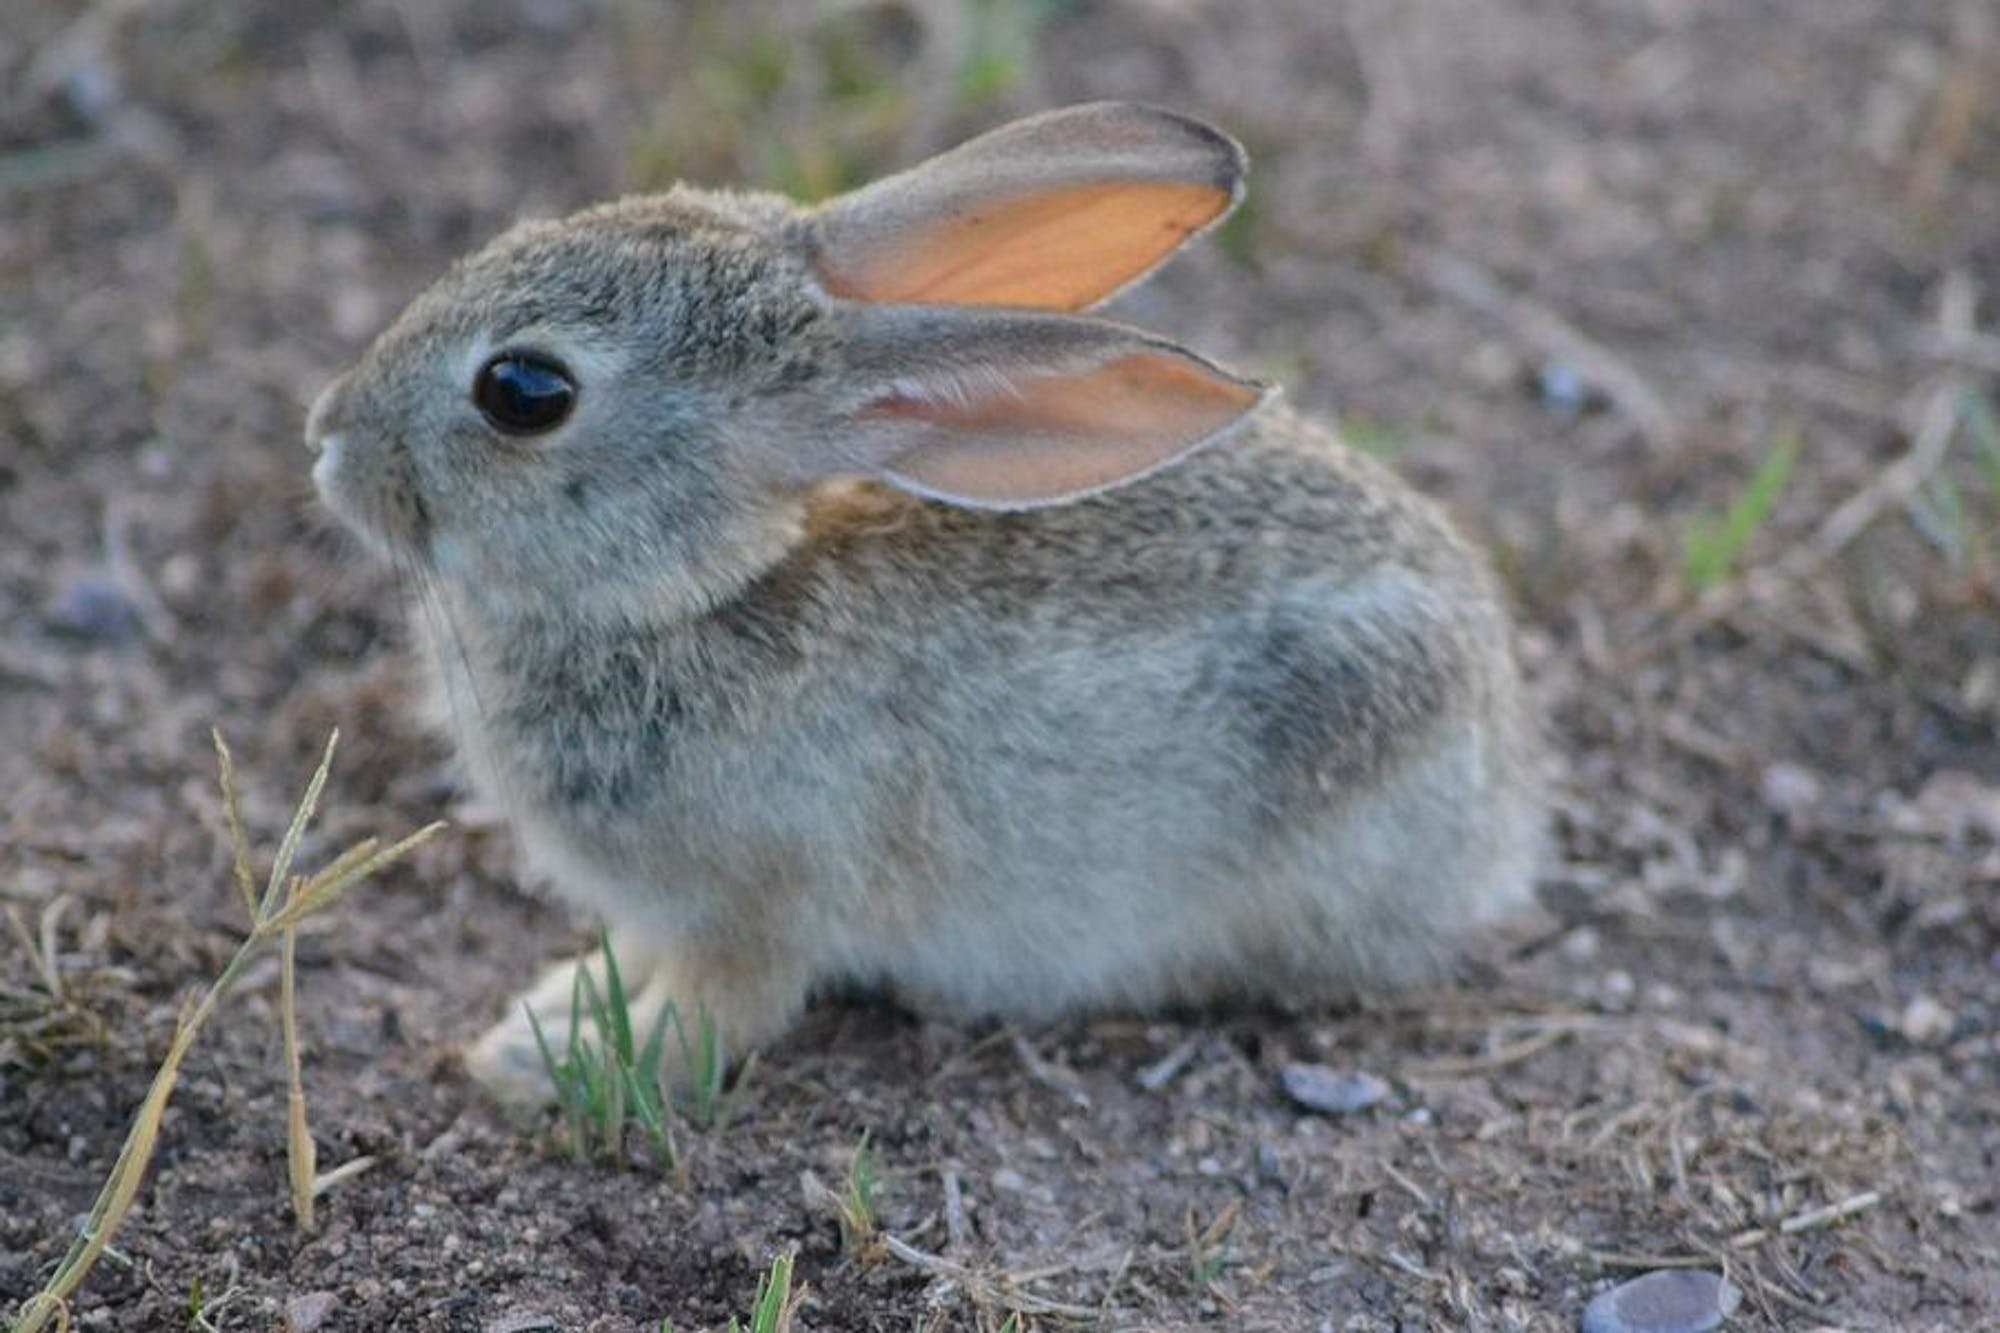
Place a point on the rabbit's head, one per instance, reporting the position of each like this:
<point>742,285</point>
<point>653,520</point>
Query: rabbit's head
<point>626,405</point>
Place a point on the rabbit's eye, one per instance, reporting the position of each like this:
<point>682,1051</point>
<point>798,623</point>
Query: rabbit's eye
<point>521,394</point>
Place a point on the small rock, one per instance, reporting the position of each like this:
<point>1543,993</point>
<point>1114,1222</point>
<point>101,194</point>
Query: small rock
<point>1789,789</point>
<point>1010,1180</point>
<point>181,576</point>
<point>1562,389</point>
<point>92,607</point>
<point>1271,1167</point>
<point>1956,805</point>
<point>1925,1022</point>
<point>1672,1300</point>
<point>523,1321</point>
<point>1693,1038</point>
<point>1333,1091</point>
<point>1580,945</point>
<point>305,1313</point>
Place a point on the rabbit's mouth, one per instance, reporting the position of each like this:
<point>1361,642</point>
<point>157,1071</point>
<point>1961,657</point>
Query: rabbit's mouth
<point>373,495</point>
<point>393,519</point>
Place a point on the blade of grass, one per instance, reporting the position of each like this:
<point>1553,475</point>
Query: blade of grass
<point>322,891</point>
<point>702,1057</point>
<point>340,865</point>
<point>857,1205</point>
<point>1714,544</point>
<point>775,1303</point>
<point>563,1076</point>
<point>289,846</point>
<point>620,1031</point>
<point>1984,426</point>
<point>232,813</point>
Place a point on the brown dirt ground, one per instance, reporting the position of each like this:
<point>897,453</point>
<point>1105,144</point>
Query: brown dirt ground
<point>1771,977</point>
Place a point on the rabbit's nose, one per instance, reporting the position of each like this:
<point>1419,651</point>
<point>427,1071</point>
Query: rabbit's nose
<point>323,420</point>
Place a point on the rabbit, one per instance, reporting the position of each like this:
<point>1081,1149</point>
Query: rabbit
<point>828,601</point>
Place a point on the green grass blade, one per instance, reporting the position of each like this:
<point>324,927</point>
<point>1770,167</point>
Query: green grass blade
<point>620,1030</point>
<point>1714,545</point>
<point>1984,427</point>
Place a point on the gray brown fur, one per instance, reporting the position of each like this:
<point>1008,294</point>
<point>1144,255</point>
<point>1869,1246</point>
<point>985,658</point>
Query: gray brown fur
<point>1245,728</point>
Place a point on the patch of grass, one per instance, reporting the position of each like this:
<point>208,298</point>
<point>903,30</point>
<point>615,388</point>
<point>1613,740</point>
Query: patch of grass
<point>608,1077</point>
<point>854,1207</point>
<point>707,1105</point>
<point>287,899</point>
<point>1715,543</point>
<point>1377,438</point>
<point>1983,426</point>
<point>1207,1249</point>
<point>50,1015</point>
<point>1941,508</point>
<point>736,114</point>
<point>811,100</point>
<point>776,1305</point>
<point>1001,41</point>
<point>860,1222</point>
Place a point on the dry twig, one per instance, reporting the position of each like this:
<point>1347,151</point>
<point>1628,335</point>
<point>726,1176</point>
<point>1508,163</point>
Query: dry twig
<point>1461,280</point>
<point>1000,1292</point>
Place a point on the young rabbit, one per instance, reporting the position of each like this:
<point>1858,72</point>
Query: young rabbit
<point>825,601</point>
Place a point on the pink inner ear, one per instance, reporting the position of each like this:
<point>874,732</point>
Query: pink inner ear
<point>1059,247</point>
<point>1057,437</point>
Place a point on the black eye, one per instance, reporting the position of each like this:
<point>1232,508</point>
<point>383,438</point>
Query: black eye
<point>522,394</point>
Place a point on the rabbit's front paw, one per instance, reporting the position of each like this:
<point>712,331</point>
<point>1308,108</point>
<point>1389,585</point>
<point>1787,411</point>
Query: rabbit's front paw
<point>508,1060</point>
<point>742,1006</point>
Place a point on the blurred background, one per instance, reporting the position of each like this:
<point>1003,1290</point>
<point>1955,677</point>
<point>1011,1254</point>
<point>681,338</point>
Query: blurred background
<point>1686,309</point>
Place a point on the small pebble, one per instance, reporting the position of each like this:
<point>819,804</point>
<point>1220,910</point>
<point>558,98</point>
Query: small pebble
<point>92,607</point>
<point>1562,388</point>
<point>1270,1166</point>
<point>1672,1300</point>
<point>523,1321</point>
<point>1925,1022</point>
<point>1334,1091</point>
<point>305,1313</point>
<point>1789,788</point>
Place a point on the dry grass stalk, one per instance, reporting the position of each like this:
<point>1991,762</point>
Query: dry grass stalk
<point>270,921</point>
<point>300,1155</point>
<point>981,1289</point>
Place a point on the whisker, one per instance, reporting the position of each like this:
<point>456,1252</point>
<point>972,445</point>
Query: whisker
<point>453,663</point>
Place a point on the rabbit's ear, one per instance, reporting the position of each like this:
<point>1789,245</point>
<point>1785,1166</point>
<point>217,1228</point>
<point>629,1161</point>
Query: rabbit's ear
<point>1055,212</point>
<point>1018,409</point>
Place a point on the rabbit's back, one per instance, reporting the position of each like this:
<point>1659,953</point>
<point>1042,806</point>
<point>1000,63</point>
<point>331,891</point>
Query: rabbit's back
<point>1248,726</point>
